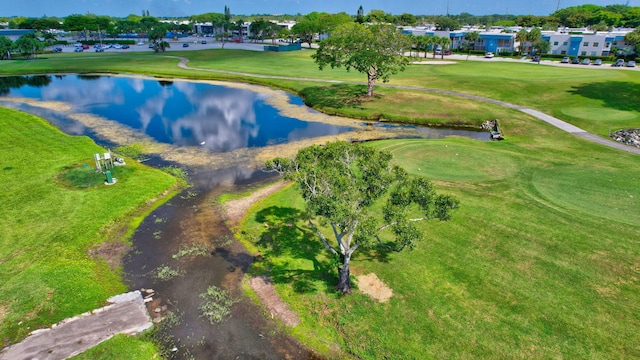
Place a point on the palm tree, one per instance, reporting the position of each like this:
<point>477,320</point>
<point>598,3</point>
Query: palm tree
<point>423,43</point>
<point>445,42</point>
<point>521,38</point>
<point>413,41</point>
<point>49,37</point>
<point>162,46</point>
<point>472,37</point>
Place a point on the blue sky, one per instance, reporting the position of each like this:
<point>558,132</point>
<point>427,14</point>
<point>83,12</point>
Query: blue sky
<point>121,8</point>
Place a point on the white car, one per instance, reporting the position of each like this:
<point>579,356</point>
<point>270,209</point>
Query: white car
<point>488,55</point>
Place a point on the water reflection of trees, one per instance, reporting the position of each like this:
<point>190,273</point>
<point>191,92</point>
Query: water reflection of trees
<point>15,82</point>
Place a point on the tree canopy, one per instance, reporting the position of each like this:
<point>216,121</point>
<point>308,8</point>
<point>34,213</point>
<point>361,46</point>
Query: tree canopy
<point>376,50</point>
<point>341,182</point>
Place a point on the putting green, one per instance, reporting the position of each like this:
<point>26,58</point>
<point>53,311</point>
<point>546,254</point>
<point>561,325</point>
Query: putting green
<point>604,193</point>
<point>599,114</point>
<point>450,161</point>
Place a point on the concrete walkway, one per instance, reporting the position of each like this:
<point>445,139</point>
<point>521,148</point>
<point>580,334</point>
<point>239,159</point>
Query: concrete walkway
<point>537,114</point>
<point>126,315</point>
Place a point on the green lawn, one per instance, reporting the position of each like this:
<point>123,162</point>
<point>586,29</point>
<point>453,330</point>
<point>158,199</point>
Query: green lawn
<point>598,99</point>
<point>49,224</point>
<point>540,261</point>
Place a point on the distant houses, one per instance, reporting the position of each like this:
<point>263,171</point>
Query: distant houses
<point>570,42</point>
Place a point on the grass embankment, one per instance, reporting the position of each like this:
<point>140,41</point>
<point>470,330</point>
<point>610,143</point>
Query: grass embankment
<point>540,261</point>
<point>50,222</point>
<point>597,99</point>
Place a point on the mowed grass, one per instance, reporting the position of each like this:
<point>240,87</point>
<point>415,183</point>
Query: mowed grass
<point>542,259</point>
<point>597,99</point>
<point>48,226</point>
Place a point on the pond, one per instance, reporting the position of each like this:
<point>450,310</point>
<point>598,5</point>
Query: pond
<point>220,133</point>
<point>181,113</point>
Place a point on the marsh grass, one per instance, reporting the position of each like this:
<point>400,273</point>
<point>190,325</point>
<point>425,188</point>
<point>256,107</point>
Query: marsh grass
<point>166,272</point>
<point>134,151</point>
<point>85,176</point>
<point>216,305</point>
<point>191,251</point>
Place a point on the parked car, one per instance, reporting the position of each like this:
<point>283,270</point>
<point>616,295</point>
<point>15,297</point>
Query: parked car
<point>631,63</point>
<point>535,58</point>
<point>185,45</point>
<point>78,49</point>
<point>85,47</point>
<point>575,61</point>
<point>99,49</point>
<point>447,52</point>
<point>489,55</point>
<point>125,46</point>
<point>140,43</point>
<point>57,49</point>
<point>565,60</point>
<point>203,42</point>
<point>597,62</point>
<point>618,63</point>
<point>585,61</point>
<point>438,52</point>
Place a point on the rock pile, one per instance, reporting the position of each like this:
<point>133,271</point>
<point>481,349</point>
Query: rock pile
<point>627,136</point>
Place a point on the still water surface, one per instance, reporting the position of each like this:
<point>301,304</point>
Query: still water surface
<point>180,113</point>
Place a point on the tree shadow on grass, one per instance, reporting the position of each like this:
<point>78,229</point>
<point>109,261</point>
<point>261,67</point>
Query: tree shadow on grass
<point>296,254</point>
<point>334,96</point>
<point>614,94</point>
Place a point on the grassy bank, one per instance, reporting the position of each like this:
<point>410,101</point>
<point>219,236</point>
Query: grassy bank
<point>598,99</point>
<point>540,261</point>
<point>53,220</point>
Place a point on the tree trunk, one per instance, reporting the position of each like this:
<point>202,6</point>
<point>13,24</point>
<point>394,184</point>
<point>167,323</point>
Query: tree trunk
<point>344,283</point>
<point>371,81</point>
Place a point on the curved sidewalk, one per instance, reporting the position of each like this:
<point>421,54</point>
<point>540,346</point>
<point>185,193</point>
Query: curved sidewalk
<point>535,113</point>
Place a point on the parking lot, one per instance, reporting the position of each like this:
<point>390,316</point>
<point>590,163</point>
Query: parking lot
<point>174,45</point>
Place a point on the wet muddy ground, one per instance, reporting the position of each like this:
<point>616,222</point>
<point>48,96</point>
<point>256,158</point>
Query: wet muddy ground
<point>183,248</point>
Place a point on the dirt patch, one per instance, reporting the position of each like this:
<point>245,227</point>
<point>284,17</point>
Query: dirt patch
<point>374,287</point>
<point>265,290</point>
<point>235,209</point>
<point>4,310</point>
<point>111,252</point>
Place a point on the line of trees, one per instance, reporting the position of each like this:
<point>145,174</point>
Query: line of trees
<point>593,16</point>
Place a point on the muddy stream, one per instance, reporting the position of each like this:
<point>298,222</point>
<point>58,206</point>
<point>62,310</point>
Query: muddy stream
<point>191,221</point>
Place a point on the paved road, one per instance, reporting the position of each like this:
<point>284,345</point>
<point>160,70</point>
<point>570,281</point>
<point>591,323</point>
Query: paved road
<point>126,315</point>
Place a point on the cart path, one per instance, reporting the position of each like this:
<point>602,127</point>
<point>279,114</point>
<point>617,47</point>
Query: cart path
<point>126,315</point>
<point>535,113</point>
